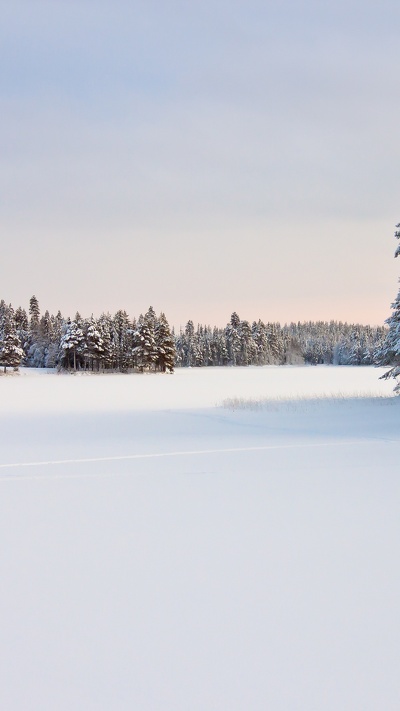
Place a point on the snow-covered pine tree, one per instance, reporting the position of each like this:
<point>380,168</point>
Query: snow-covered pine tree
<point>221,348</point>
<point>233,339</point>
<point>248,348</point>
<point>22,326</point>
<point>94,347</point>
<point>41,335</point>
<point>275,343</point>
<point>123,340</point>
<point>105,324</point>
<point>260,342</point>
<point>189,345</point>
<point>72,345</point>
<point>207,346</point>
<point>34,312</point>
<point>165,345</point>
<point>3,309</point>
<point>21,319</point>
<point>46,328</point>
<point>144,343</point>
<point>33,342</point>
<point>390,351</point>
<point>52,356</point>
<point>11,352</point>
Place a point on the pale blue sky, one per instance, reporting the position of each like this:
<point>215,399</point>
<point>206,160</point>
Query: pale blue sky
<point>201,157</point>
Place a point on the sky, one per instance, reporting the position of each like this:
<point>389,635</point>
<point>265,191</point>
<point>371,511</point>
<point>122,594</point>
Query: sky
<point>201,157</point>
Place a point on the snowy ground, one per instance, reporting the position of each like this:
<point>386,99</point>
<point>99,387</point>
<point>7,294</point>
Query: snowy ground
<point>220,539</point>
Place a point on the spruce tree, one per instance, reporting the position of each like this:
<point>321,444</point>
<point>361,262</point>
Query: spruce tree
<point>165,345</point>
<point>72,345</point>
<point>390,352</point>
<point>233,339</point>
<point>34,351</point>
<point>94,346</point>
<point>108,357</point>
<point>34,313</point>
<point>11,352</point>
<point>22,326</point>
<point>144,342</point>
<point>122,336</point>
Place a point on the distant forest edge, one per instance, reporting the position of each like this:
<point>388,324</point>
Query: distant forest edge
<point>149,344</point>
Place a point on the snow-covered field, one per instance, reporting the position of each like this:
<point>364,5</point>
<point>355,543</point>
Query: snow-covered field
<point>219,539</point>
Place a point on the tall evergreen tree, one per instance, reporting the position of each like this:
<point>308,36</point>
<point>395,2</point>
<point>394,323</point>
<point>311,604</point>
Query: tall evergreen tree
<point>144,344</point>
<point>11,352</point>
<point>22,326</point>
<point>72,345</point>
<point>390,352</point>
<point>123,339</point>
<point>165,345</point>
<point>233,339</point>
<point>34,312</point>
<point>94,346</point>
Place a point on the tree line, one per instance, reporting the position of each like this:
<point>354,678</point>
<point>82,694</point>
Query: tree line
<point>149,344</point>
<point>106,343</point>
<point>259,343</point>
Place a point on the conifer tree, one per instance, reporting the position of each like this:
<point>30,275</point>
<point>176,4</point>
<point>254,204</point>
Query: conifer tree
<point>21,319</point>
<point>248,347</point>
<point>105,325</point>
<point>233,339</point>
<point>144,346</point>
<point>34,312</point>
<point>165,345</point>
<point>189,345</point>
<point>149,322</point>
<point>390,352</point>
<point>94,347</point>
<point>11,352</point>
<point>122,334</point>
<point>22,326</point>
<point>34,345</point>
<point>72,345</point>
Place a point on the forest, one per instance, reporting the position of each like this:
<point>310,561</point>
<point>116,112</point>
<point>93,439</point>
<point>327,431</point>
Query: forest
<point>118,343</point>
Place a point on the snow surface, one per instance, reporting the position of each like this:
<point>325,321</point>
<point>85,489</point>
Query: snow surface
<point>219,539</point>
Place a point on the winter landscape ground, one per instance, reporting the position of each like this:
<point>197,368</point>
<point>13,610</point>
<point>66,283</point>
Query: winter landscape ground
<point>218,539</point>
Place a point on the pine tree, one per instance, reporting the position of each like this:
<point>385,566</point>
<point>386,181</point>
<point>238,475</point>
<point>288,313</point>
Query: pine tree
<point>108,357</point>
<point>123,340</point>
<point>34,312</point>
<point>11,352</point>
<point>94,346</point>
<point>52,356</point>
<point>248,348</point>
<point>22,326</point>
<point>3,311</point>
<point>189,345</point>
<point>34,358</point>
<point>233,339</point>
<point>144,343</point>
<point>165,345</point>
<point>72,345</point>
<point>21,319</point>
<point>390,352</point>
<point>275,343</point>
<point>260,341</point>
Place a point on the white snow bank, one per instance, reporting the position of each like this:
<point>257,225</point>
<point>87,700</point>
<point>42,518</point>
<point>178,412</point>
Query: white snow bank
<point>186,388</point>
